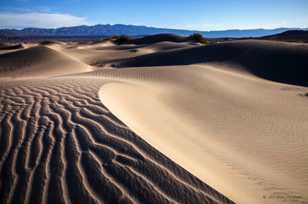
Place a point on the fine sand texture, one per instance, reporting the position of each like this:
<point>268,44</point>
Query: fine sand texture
<point>160,122</point>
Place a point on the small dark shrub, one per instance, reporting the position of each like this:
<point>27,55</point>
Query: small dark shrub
<point>197,37</point>
<point>47,42</point>
<point>133,50</point>
<point>122,39</point>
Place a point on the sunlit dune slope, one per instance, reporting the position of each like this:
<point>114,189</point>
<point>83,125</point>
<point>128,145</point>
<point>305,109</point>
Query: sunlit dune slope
<point>39,61</point>
<point>241,134</point>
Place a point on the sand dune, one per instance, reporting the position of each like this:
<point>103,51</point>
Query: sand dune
<point>159,46</point>
<point>207,128</point>
<point>4,46</point>
<point>39,61</point>
<point>164,46</point>
<point>266,59</point>
<point>103,56</point>
<point>95,45</point>
<point>8,47</point>
<point>151,39</point>
<point>59,144</point>
<point>237,133</point>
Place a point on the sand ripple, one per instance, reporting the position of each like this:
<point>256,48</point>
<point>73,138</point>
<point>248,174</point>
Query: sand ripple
<point>59,144</point>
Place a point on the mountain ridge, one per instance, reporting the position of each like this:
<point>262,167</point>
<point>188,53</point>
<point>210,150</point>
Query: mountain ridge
<point>135,30</point>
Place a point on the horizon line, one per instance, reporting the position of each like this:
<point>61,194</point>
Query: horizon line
<point>157,27</point>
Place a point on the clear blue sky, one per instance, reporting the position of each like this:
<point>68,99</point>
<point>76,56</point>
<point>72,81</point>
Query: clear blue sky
<point>186,14</point>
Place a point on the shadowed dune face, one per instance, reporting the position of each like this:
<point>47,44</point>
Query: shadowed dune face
<point>168,46</point>
<point>158,38</point>
<point>282,62</point>
<point>7,47</point>
<point>165,37</point>
<point>4,46</point>
<point>290,36</point>
<point>48,42</point>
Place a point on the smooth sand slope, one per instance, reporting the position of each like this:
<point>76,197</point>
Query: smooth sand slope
<point>60,144</point>
<point>242,135</point>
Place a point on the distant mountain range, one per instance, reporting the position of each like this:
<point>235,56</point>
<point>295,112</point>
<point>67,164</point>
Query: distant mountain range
<point>133,30</point>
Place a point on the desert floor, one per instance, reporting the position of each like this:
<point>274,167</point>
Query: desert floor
<point>154,123</point>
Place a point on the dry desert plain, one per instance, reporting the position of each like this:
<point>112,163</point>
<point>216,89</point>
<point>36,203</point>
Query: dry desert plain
<point>160,122</point>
